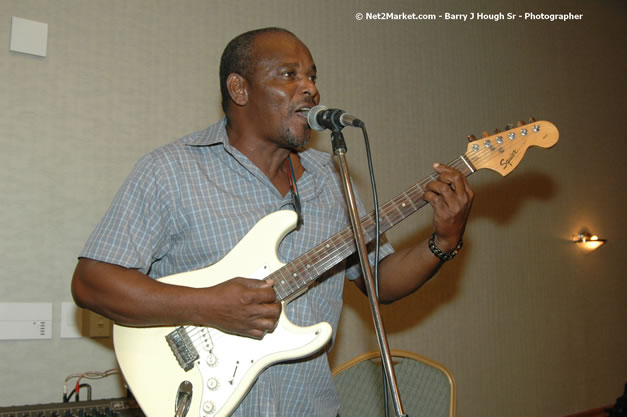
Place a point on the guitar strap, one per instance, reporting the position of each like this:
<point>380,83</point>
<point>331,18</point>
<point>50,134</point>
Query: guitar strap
<point>294,191</point>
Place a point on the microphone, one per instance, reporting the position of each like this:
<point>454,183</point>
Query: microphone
<point>320,118</point>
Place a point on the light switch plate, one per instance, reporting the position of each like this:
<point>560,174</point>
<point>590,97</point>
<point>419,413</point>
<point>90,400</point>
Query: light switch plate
<point>22,321</point>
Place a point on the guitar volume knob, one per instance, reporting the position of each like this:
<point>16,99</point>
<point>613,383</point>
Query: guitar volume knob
<point>211,360</point>
<point>213,384</point>
<point>208,407</point>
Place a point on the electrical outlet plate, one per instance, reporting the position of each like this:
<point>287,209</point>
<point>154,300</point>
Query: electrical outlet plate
<point>94,325</point>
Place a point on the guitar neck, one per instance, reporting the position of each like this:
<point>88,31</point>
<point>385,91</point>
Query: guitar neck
<point>298,274</point>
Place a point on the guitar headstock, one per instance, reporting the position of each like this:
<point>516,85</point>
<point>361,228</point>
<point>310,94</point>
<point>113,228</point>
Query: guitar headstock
<point>503,151</point>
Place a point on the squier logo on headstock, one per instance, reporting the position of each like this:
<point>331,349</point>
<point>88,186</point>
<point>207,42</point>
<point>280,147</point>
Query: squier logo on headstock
<point>503,151</point>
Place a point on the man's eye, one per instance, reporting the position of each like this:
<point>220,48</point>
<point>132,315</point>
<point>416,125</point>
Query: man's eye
<point>289,74</point>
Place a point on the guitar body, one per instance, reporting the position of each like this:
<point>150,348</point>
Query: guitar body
<point>227,365</point>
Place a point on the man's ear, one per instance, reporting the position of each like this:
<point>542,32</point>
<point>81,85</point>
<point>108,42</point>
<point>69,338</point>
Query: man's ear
<point>237,87</point>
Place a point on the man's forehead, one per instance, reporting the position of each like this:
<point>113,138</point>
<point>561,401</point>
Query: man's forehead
<point>280,47</point>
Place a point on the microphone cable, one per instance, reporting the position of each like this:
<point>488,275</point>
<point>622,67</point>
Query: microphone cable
<point>375,200</point>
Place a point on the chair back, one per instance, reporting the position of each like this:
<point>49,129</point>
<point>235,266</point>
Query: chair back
<point>426,387</point>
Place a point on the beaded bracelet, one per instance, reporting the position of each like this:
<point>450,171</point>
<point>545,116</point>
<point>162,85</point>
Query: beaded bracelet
<point>438,252</point>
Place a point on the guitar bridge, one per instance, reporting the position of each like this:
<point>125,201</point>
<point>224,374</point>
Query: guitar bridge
<point>182,347</point>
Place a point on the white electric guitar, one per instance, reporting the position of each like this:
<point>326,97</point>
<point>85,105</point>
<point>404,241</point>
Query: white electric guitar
<point>204,372</point>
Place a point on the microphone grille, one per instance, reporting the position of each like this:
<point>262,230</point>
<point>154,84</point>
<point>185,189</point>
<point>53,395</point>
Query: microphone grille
<point>313,115</point>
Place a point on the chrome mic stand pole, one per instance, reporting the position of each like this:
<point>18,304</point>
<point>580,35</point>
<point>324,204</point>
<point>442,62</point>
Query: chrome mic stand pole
<point>339,149</point>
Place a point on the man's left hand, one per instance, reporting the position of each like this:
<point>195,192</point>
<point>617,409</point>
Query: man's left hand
<point>451,198</point>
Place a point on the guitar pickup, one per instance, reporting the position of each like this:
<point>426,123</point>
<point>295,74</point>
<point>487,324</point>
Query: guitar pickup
<point>182,347</point>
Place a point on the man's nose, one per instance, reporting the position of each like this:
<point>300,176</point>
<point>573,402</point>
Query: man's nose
<point>309,88</point>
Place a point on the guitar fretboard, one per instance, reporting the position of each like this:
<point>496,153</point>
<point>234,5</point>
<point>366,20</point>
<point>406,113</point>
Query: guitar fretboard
<point>299,273</point>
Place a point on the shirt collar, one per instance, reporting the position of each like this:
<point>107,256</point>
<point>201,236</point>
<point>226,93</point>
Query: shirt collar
<point>314,161</point>
<point>212,135</point>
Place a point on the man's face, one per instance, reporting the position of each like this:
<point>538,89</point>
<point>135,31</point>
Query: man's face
<point>282,89</point>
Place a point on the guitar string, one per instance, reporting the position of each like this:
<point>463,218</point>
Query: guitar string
<point>391,213</point>
<point>313,259</point>
<point>342,244</point>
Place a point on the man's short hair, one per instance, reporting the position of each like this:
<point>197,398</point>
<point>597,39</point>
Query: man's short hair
<point>238,57</point>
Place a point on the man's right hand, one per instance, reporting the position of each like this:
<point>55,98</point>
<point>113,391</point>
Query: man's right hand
<point>247,307</point>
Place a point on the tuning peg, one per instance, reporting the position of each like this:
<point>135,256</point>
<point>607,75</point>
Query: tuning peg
<point>485,134</point>
<point>497,131</point>
<point>520,123</point>
<point>471,138</point>
<point>509,126</point>
<point>532,119</point>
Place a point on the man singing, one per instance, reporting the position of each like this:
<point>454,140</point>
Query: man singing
<point>187,204</point>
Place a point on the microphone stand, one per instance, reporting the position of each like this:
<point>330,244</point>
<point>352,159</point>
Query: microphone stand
<point>339,149</point>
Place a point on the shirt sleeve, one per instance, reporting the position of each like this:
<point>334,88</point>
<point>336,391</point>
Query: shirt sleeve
<point>134,231</point>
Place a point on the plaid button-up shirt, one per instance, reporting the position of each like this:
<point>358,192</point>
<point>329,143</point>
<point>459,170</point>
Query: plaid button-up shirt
<point>187,204</point>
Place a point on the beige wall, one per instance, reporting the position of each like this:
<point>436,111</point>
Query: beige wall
<point>528,325</point>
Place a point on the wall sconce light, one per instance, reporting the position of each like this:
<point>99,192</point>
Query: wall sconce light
<point>588,241</point>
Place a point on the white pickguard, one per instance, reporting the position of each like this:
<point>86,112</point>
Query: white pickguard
<point>228,365</point>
